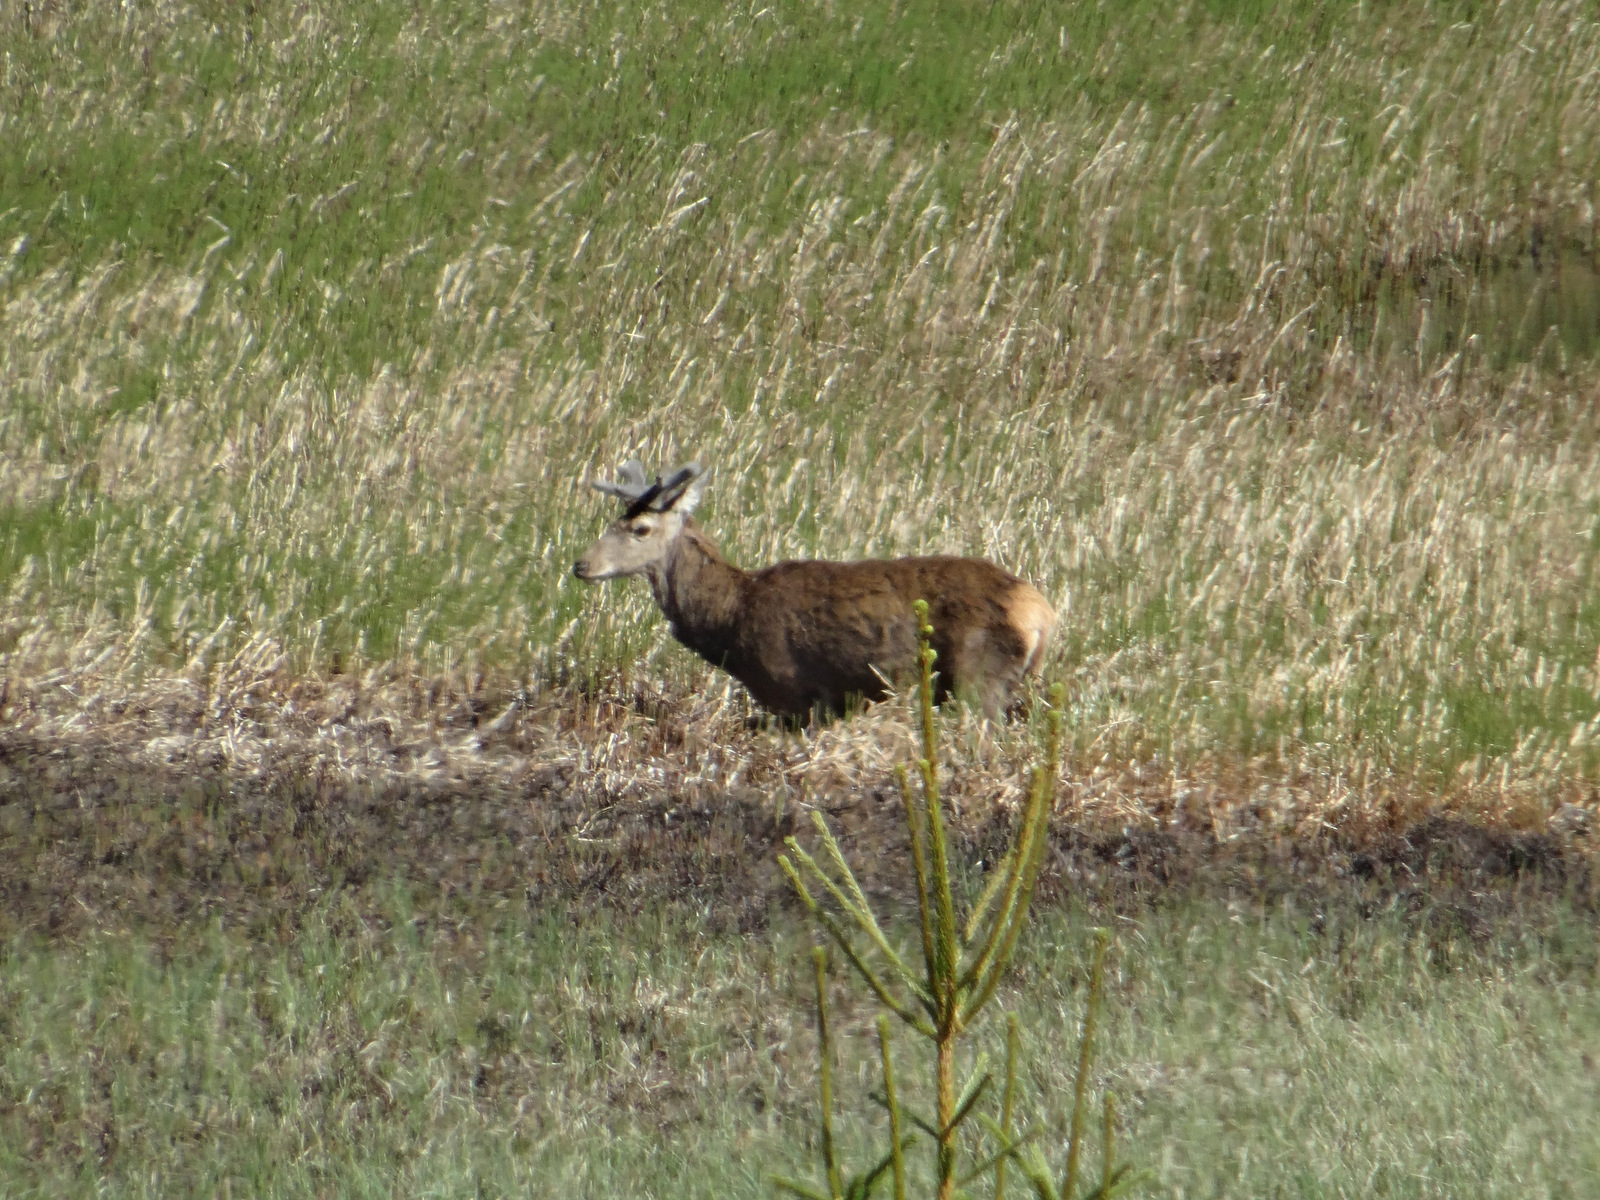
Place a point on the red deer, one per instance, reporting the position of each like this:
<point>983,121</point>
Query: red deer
<point>806,637</point>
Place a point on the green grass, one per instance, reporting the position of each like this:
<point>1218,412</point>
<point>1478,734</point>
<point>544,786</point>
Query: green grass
<point>1257,1053</point>
<point>362,1058</point>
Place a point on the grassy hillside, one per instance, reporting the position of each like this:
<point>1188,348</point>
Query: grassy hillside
<point>1262,341</point>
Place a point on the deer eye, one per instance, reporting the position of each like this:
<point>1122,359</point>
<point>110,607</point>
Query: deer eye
<point>639,530</point>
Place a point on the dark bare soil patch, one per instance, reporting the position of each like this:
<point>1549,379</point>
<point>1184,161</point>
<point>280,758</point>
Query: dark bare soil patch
<point>97,837</point>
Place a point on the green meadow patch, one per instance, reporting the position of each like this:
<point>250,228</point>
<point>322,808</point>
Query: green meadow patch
<point>1270,1051</point>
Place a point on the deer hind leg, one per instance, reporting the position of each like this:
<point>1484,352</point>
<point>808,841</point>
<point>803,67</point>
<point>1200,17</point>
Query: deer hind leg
<point>1031,621</point>
<point>1033,646</point>
<point>989,670</point>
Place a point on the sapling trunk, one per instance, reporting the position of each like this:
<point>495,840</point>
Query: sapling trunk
<point>960,971</point>
<point>1080,1091</point>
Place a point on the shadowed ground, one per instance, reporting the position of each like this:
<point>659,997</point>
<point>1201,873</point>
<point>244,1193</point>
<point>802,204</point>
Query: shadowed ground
<point>151,817</point>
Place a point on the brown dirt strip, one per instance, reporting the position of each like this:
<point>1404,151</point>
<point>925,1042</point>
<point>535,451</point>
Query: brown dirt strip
<point>155,808</point>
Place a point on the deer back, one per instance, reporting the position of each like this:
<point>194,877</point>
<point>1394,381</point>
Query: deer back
<point>814,634</point>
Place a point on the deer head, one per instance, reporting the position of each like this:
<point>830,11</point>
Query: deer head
<point>652,521</point>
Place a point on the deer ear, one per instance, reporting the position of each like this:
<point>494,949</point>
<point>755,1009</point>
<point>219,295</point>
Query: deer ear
<point>691,495</point>
<point>682,492</point>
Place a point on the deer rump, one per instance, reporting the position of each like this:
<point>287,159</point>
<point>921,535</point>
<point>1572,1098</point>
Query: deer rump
<point>816,635</point>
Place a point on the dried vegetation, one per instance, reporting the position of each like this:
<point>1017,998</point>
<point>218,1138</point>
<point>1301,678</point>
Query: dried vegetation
<point>1284,397</point>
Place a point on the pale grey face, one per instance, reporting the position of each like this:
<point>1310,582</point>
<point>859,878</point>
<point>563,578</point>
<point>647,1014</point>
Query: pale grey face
<point>630,546</point>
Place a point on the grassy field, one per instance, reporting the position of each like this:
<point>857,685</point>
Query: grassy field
<point>1262,338</point>
<point>1265,346</point>
<point>529,1055</point>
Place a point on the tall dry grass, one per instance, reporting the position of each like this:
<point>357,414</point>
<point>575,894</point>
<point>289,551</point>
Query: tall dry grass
<point>312,329</point>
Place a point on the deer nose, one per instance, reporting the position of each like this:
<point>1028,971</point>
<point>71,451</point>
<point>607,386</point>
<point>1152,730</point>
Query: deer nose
<point>580,569</point>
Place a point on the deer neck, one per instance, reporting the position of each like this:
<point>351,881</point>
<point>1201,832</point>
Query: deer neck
<point>699,593</point>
